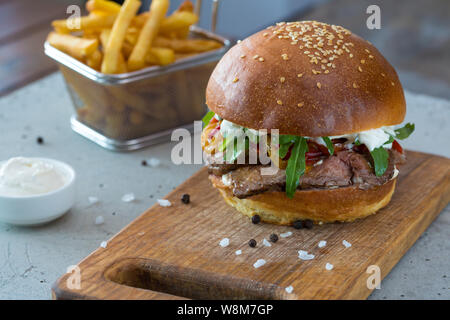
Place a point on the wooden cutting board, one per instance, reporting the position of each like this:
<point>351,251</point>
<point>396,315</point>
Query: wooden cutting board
<point>174,253</point>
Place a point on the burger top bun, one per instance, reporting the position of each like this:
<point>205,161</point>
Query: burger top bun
<point>306,78</point>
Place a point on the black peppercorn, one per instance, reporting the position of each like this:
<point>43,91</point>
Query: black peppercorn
<point>256,219</point>
<point>252,243</point>
<point>185,198</point>
<point>273,237</point>
<point>298,224</point>
<point>40,140</point>
<point>144,163</point>
<point>308,224</point>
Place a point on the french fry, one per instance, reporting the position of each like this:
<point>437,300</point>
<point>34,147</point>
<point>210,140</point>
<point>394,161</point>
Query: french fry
<point>110,62</point>
<point>179,20</point>
<point>126,49</point>
<point>139,20</point>
<point>158,10</point>
<point>94,60</point>
<point>92,21</point>
<point>187,45</point>
<point>79,48</point>
<point>160,56</point>
<point>102,6</point>
<point>186,6</point>
<point>104,37</point>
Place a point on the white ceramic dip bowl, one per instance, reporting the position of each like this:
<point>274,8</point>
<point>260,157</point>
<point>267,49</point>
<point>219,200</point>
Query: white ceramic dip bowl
<point>36,209</point>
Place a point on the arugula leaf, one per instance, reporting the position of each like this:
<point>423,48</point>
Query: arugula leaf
<point>391,139</point>
<point>286,138</point>
<point>238,148</point>
<point>403,133</point>
<point>357,142</point>
<point>329,145</point>
<point>380,159</point>
<point>223,146</point>
<point>296,165</point>
<point>207,118</point>
<point>284,148</point>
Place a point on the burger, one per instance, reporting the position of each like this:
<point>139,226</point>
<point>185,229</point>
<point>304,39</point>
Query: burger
<point>332,102</point>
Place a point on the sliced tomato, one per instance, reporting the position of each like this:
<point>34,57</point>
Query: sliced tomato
<point>397,147</point>
<point>213,120</point>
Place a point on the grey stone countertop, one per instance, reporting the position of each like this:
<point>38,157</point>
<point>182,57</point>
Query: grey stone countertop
<point>31,259</point>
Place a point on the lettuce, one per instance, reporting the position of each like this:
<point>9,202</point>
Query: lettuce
<point>207,118</point>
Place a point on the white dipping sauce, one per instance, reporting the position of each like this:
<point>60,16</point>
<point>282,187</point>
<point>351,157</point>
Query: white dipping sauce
<point>27,177</point>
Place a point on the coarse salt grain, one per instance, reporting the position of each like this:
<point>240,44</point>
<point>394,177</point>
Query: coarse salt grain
<point>153,162</point>
<point>164,203</point>
<point>304,255</point>
<point>92,200</point>
<point>99,220</point>
<point>346,244</point>
<point>329,266</point>
<point>103,244</point>
<point>128,197</point>
<point>322,244</point>
<point>238,252</point>
<point>289,289</point>
<point>259,263</point>
<point>224,242</point>
<point>266,243</point>
<point>286,234</point>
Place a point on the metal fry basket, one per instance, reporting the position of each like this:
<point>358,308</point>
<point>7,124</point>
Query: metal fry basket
<point>133,110</point>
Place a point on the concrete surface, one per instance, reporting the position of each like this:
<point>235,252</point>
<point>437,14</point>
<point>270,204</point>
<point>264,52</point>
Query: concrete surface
<point>31,259</point>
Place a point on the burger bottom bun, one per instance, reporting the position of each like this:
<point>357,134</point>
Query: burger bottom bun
<point>320,205</point>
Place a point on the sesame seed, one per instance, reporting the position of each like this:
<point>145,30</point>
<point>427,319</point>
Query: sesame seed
<point>236,79</point>
<point>355,85</point>
<point>367,50</point>
<point>359,69</point>
<point>383,75</point>
<point>282,79</point>
<point>301,104</point>
<point>280,102</point>
<point>255,57</point>
<point>300,75</point>
<point>261,59</point>
<point>319,85</point>
<point>363,61</point>
<point>326,71</point>
<point>285,56</point>
<point>265,34</point>
<point>392,83</point>
<point>370,56</point>
<point>243,56</point>
<point>351,55</point>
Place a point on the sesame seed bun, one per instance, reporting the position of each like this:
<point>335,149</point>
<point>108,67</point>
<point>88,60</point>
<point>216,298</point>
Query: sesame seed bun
<point>320,205</point>
<point>306,78</point>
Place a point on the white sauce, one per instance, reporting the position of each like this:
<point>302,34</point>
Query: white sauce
<point>228,128</point>
<point>226,179</point>
<point>373,138</point>
<point>27,177</point>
